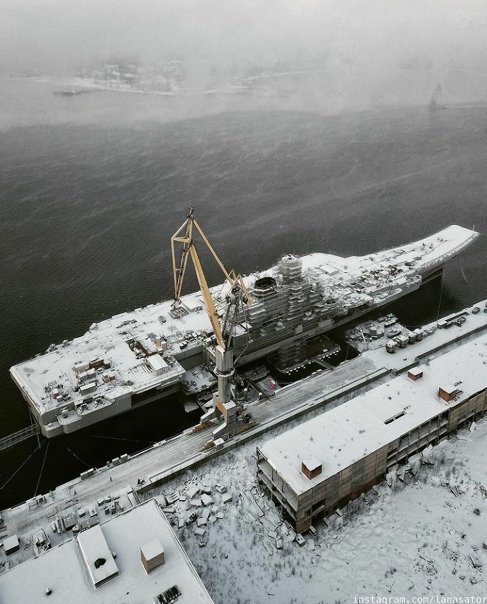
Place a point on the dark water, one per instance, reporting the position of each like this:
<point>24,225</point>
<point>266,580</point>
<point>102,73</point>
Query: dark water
<point>88,204</point>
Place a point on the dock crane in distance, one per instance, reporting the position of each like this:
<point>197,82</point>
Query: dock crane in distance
<point>237,296</point>
<point>435,102</point>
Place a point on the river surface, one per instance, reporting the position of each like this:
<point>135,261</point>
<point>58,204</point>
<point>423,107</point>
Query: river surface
<point>93,186</point>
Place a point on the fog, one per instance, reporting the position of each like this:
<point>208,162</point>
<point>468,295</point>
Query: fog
<point>379,50</point>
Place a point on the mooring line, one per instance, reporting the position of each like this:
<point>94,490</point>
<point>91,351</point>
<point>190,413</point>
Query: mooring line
<point>20,467</point>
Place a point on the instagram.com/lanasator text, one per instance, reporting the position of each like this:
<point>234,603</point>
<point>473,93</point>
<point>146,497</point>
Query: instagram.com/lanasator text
<point>430,599</point>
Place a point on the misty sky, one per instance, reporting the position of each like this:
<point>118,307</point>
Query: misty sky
<point>378,43</point>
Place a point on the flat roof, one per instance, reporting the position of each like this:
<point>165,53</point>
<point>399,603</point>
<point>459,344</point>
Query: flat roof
<point>341,436</point>
<point>63,568</point>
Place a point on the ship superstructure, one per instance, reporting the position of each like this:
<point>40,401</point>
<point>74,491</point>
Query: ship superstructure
<point>140,356</point>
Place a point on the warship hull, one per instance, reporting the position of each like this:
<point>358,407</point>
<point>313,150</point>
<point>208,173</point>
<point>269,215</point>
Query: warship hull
<point>145,355</point>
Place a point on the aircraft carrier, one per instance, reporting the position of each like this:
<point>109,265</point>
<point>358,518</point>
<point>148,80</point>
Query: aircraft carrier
<point>137,357</point>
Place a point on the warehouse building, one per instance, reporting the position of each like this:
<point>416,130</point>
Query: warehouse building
<point>321,464</point>
<point>132,558</point>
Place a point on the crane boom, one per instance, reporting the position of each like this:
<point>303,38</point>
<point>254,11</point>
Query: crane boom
<point>184,236</point>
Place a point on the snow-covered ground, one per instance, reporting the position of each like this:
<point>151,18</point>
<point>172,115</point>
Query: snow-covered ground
<point>420,536</point>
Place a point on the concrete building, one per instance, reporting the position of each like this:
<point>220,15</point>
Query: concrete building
<point>318,466</point>
<point>134,557</point>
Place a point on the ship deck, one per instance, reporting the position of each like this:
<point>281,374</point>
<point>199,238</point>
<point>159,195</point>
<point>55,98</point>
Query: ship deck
<point>97,374</point>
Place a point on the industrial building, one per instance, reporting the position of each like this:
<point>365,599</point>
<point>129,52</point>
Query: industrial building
<point>321,464</point>
<point>134,557</point>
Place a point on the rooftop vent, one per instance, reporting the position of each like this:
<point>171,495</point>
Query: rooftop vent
<point>447,393</point>
<point>169,596</point>
<point>415,373</point>
<point>394,417</point>
<point>311,467</point>
<point>152,555</point>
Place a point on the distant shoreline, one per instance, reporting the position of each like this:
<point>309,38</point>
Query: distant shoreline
<point>80,86</point>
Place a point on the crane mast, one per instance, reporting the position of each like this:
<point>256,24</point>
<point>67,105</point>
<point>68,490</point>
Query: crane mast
<point>223,405</point>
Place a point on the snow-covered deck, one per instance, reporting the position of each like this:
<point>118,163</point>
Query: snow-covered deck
<point>50,383</point>
<point>424,253</point>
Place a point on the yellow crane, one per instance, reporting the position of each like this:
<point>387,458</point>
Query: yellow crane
<point>237,296</point>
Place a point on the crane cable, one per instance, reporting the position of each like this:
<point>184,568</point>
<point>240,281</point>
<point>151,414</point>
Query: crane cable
<point>248,341</point>
<point>21,466</point>
<point>42,469</point>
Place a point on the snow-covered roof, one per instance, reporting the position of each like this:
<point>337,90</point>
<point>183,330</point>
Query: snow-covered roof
<point>341,436</point>
<point>64,571</point>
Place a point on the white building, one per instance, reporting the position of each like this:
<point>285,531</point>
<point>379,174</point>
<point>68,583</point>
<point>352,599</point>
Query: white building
<point>132,558</point>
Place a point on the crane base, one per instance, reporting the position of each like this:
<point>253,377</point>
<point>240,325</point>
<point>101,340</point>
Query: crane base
<point>225,411</point>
